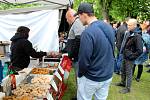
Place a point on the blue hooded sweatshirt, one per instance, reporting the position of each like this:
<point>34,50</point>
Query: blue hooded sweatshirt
<point>96,59</point>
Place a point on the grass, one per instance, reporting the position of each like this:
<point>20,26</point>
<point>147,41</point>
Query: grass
<point>140,90</point>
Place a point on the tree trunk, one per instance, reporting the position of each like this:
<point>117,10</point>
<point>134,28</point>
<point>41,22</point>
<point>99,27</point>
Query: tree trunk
<point>105,6</point>
<point>105,14</point>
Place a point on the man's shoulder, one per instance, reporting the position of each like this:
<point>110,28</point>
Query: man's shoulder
<point>91,31</point>
<point>78,24</point>
<point>103,25</point>
<point>87,32</point>
<point>77,27</point>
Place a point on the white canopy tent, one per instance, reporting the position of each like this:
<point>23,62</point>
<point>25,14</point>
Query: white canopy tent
<point>44,31</point>
<point>62,2</point>
<point>45,4</point>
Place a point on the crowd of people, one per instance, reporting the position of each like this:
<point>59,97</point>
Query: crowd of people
<point>91,45</point>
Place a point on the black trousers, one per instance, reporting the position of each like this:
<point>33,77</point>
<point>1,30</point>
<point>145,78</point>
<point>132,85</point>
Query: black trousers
<point>126,73</point>
<point>140,70</point>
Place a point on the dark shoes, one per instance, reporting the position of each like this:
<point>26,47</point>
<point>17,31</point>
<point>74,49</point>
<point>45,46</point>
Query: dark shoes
<point>137,79</point>
<point>74,98</point>
<point>148,71</point>
<point>120,84</point>
<point>124,91</point>
<point>118,73</point>
<point>148,66</point>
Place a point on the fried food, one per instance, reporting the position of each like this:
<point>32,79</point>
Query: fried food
<point>40,71</point>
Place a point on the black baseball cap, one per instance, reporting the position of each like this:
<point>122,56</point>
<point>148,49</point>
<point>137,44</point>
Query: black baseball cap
<point>85,8</point>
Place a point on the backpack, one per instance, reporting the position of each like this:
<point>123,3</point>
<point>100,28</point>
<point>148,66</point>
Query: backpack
<point>146,41</point>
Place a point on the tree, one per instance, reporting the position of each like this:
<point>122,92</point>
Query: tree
<point>95,3</point>
<point>105,8</point>
<point>101,7</point>
<point>130,8</point>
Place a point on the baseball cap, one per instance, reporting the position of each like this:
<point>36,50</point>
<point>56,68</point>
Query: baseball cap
<point>85,8</point>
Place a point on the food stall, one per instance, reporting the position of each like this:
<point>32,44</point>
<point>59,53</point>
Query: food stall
<point>45,80</point>
<point>46,83</point>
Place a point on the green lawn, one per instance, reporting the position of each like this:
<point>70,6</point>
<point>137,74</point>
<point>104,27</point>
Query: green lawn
<point>140,90</point>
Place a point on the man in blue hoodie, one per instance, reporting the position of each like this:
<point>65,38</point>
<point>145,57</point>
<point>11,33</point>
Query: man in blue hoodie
<point>96,57</point>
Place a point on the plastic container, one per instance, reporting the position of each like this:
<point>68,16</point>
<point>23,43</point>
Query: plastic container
<point>5,70</point>
<point>1,71</point>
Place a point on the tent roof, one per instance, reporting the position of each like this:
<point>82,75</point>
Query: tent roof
<point>64,2</point>
<point>46,4</point>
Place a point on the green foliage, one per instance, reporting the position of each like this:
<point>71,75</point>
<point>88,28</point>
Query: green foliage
<point>120,9</point>
<point>117,9</point>
<point>133,8</point>
<point>96,6</point>
<point>6,6</point>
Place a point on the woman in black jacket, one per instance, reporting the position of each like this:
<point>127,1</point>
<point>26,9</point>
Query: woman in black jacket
<point>21,49</point>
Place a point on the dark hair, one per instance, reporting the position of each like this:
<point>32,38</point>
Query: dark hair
<point>23,31</point>
<point>118,24</point>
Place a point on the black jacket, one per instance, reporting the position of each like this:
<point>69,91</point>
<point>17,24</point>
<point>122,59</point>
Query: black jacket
<point>73,43</point>
<point>72,47</point>
<point>134,46</point>
<point>120,35</point>
<point>21,50</point>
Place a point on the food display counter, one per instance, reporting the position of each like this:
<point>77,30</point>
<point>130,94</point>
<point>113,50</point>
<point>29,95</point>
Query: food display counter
<point>45,83</point>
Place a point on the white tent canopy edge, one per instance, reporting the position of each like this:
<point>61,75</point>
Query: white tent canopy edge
<point>48,5</point>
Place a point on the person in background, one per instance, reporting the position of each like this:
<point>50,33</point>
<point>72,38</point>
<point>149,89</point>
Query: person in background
<point>132,49</point>
<point>62,42</point>
<point>96,57</point>
<point>21,49</point>
<point>115,26</point>
<point>73,42</point>
<point>148,65</point>
<point>120,33</point>
<point>119,38</point>
<point>146,47</point>
<point>118,25</point>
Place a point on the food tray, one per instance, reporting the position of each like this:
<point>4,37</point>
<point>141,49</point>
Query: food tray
<point>35,91</point>
<point>32,77</point>
<point>40,71</point>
